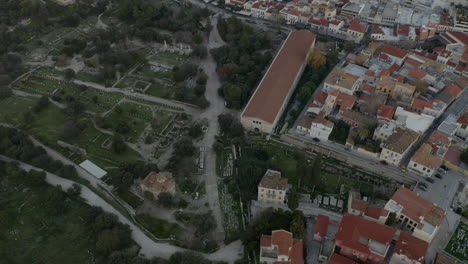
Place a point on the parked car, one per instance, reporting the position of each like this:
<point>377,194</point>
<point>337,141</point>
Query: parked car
<point>383,162</point>
<point>445,168</point>
<point>430,180</point>
<point>422,184</point>
<point>316,139</point>
<point>438,176</point>
<point>422,188</point>
<point>442,171</point>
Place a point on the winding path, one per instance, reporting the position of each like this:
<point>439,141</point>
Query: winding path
<point>149,248</point>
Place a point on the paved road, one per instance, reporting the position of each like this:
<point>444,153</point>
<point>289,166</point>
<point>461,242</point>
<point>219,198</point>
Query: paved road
<point>211,114</point>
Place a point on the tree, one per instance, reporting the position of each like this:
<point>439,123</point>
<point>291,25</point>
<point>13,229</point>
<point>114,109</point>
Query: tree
<point>421,86</point>
<point>349,45</point>
<point>363,132</point>
<point>225,121</point>
<point>464,156</point>
<point>195,130</point>
<point>69,74</point>
<point>165,199</point>
<point>218,146</point>
<point>293,199</point>
<point>71,129</point>
<point>118,144</point>
<point>316,60</point>
<point>74,108</point>
<point>391,220</point>
<point>74,190</point>
<point>184,147</point>
<point>233,95</point>
<point>200,51</point>
<point>41,104</point>
<point>298,224</point>
<point>107,241</point>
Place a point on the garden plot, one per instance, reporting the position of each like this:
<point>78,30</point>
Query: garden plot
<point>168,58</point>
<point>40,84</point>
<point>231,212</point>
<point>130,119</point>
<point>99,101</point>
<point>458,244</point>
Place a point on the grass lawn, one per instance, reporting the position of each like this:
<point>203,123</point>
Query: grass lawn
<point>134,115</point>
<point>331,183</point>
<point>171,58</point>
<point>458,244</point>
<point>164,118</point>
<point>158,90</point>
<point>30,233</point>
<point>158,227</point>
<point>146,71</point>
<point>48,124</point>
<point>14,107</point>
<point>130,198</point>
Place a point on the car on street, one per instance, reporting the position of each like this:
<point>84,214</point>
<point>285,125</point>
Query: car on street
<point>383,162</point>
<point>445,168</point>
<point>422,184</point>
<point>422,188</point>
<point>438,176</point>
<point>316,139</point>
<point>430,180</point>
<point>442,171</point>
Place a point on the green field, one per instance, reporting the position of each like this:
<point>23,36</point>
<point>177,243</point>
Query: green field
<point>171,58</point>
<point>130,198</point>
<point>40,224</point>
<point>163,118</point>
<point>458,244</point>
<point>48,125</point>
<point>135,116</point>
<point>14,107</point>
<point>158,227</point>
<point>331,183</point>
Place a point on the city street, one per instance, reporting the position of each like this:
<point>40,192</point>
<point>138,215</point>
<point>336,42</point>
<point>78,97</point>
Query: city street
<point>442,191</point>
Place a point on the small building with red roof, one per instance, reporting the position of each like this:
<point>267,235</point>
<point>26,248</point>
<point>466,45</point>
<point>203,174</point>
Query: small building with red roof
<point>281,248</point>
<point>356,30</point>
<point>338,259</point>
<point>420,216</point>
<point>386,112</point>
<point>409,249</point>
<point>321,227</point>
<point>462,126</point>
<point>363,239</point>
<point>396,54</point>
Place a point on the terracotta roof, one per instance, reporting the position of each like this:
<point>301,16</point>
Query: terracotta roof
<point>394,51</point>
<point>415,63</point>
<point>321,226</point>
<point>356,25</point>
<point>359,205</point>
<point>439,138</point>
<point>345,101</point>
<point>463,120</point>
<point>386,112</point>
<point>320,97</point>
<point>340,78</point>
<point>278,81</point>
<point>335,22</point>
<point>338,259</point>
<point>421,104</point>
<point>424,157</point>
<point>462,37</point>
<point>462,81</point>
<point>285,244</point>
<point>393,68</point>
<point>353,228</point>
<point>399,78</point>
<point>401,140</point>
<point>283,240</point>
<point>377,30</point>
<point>370,73</point>
<point>453,90</point>
<point>383,56</point>
<point>417,73</point>
<point>412,247</point>
<point>452,63</point>
<point>453,156</point>
<point>376,212</point>
<point>273,180</point>
<point>414,206</point>
<point>359,118</point>
<point>159,182</point>
<point>403,30</point>
<point>368,88</point>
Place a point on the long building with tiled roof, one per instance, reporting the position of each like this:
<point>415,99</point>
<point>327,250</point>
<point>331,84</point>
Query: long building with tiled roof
<point>269,100</point>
